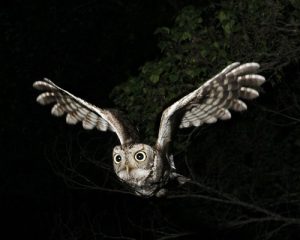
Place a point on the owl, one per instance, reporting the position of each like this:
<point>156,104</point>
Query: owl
<point>148,169</point>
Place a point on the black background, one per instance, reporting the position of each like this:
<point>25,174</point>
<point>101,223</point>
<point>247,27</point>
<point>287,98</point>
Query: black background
<point>87,47</point>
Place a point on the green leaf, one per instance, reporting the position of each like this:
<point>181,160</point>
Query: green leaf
<point>222,16</point>
<point>186,36</point>
<point>216,45</point>
<point>154,78</point>
<point>163,45</point>
<point>173,77</point>
<point>162,30</point>
<point>203,52</point>
<point>228,28</point>
<point>190,72</point>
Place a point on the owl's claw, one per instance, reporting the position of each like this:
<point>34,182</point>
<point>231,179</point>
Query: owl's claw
<point>180,178</point>
<point>161,193</point>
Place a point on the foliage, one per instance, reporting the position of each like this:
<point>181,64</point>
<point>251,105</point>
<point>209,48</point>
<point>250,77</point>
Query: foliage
<point>200,43</point>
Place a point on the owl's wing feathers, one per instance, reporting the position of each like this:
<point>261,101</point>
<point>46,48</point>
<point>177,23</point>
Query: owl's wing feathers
<point>212,100</point>
<point>78,110</point>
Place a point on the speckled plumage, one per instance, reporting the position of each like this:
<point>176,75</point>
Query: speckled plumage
<point>148,169</point>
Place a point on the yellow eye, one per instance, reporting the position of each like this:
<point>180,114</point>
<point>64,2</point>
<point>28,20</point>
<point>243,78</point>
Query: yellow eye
<point>117,158</point>
<point>140,156</point>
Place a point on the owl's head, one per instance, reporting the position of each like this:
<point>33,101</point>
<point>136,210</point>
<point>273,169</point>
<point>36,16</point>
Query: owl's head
<point>133,163</point>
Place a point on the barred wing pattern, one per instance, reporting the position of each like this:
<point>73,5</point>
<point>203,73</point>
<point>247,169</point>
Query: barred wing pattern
<point>78,110</point>
<point>212,100</point>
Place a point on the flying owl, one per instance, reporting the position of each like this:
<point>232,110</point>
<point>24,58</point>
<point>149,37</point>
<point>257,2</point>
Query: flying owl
<point>148,169</point>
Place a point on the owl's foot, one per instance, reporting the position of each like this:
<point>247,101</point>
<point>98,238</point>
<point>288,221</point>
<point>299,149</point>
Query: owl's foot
<point>180,178</point>
<point>161,193</point>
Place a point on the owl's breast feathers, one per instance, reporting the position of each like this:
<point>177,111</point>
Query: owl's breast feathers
<point>148,182</point>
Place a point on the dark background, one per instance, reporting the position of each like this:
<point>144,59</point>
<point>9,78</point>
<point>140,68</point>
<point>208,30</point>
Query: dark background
<point>87,47</point>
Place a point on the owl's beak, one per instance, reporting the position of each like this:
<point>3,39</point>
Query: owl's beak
<point>128,168</point>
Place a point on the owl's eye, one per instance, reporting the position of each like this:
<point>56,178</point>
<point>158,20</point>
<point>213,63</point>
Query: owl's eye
<point>140,156</point>
<point>117,158</point>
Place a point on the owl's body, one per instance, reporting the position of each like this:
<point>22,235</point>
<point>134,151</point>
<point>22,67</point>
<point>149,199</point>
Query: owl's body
<point>139,165</point>
<point>148,169</point>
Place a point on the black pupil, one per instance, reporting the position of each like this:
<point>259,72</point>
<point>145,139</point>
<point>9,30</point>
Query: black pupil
<point>118,158</point>
<point>140,156</point>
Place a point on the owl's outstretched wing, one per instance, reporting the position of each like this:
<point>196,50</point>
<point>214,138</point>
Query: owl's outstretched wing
<point>211,101</point>
<point>78,110</point>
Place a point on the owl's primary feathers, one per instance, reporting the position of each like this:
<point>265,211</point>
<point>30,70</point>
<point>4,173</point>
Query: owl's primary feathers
<point>148,169</point>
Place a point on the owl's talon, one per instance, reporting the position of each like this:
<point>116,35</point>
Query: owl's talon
<point>161,193</point>
<point>180,178</point>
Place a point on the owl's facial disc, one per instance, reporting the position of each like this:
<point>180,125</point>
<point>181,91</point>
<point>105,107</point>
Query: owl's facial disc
<point>132,162</point>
